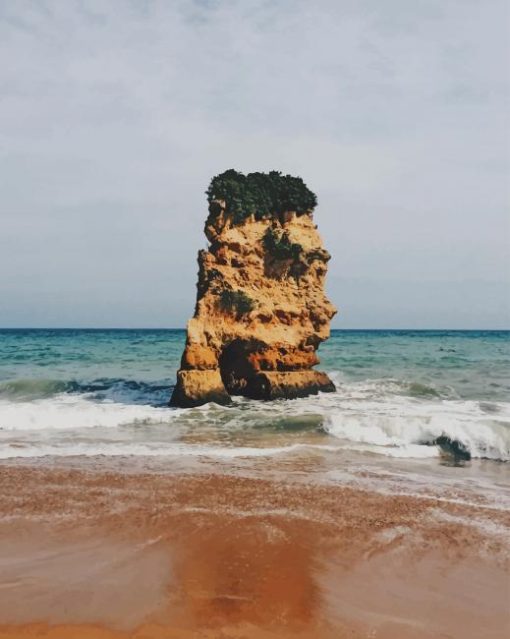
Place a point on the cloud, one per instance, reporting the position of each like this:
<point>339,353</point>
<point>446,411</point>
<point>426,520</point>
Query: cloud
<point>114,116</point>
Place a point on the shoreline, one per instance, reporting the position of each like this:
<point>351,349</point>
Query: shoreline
<point>105,554</point>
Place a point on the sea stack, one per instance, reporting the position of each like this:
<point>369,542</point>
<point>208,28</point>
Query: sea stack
<point>261,309</point>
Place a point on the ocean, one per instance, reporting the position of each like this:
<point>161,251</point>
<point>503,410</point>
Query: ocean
<point>400,394</point>
<point>381,501</point>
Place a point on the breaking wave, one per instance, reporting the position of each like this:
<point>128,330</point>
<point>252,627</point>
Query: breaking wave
<point>124,417</point>
<point>406,428</point>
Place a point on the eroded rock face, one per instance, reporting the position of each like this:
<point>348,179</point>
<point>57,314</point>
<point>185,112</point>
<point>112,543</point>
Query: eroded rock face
<point>261,311</point>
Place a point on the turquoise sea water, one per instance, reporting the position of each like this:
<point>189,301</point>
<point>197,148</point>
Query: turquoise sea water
<point>399,393</point>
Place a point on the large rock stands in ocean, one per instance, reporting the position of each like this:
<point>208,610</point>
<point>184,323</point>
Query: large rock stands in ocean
<point>261,310</point>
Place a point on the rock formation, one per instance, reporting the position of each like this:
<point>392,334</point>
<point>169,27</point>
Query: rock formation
<point>261,310</point>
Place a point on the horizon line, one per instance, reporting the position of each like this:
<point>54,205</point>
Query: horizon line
<point>183,328</point>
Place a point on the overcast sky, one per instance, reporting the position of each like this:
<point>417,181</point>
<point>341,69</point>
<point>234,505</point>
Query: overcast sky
<point>115,115</point>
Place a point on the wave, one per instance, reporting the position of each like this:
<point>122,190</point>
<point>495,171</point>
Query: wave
<point>157,393</point>
<point>91,449</point>
<point>382,387</point>
<point>27,389</point>
<point>122,390</point>
<point>373,416</point>
<point>64,412</point>
<point>407,427</point>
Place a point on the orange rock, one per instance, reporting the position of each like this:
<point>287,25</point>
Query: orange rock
<point>260,314</point>
<point>199,358</point>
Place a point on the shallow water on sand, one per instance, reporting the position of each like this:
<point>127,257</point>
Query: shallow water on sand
<point>134,547</point>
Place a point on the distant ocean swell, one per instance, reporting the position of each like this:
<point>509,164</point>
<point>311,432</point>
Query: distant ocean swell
<point>116,416</point>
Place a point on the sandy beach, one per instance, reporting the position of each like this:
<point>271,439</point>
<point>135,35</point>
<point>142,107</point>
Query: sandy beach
<point>91,551</point>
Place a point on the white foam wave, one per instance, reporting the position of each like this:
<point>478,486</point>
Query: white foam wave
<point>401,426</point>
<point>73,411</point>
<point>376,416</point>
<point>158,449</point>
<point>370,416</point>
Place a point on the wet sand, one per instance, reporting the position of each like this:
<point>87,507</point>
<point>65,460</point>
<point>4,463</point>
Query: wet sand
<point>97,553</point>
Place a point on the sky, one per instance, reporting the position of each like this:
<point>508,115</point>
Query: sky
<point>115,115</point>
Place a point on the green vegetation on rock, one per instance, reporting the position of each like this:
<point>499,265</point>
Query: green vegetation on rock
<point>260,194</point>
<point>279,246</point>
<point>236,302</point>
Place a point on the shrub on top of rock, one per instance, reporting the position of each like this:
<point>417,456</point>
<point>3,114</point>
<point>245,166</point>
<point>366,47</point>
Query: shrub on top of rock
<point>262,195</point>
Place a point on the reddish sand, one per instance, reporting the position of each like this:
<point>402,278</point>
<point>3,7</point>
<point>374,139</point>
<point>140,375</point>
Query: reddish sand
<point>106,555</point>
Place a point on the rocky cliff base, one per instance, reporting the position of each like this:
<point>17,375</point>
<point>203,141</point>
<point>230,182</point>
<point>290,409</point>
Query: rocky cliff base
<point>195,388</point>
